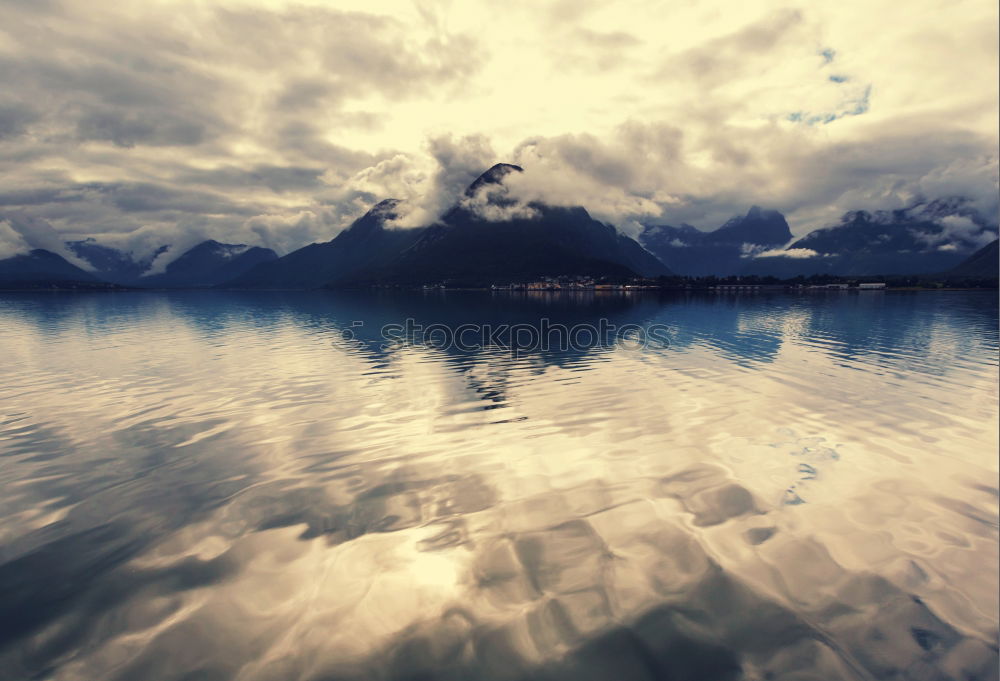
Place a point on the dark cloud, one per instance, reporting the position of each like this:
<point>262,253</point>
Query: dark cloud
<point>218,122</point>
<point>129,197</point>
<point>735,55</point>
<point>127,130</point>
<point>23,198</point>
<point>15,117</point>
<point>103,93</point>
<point>355,53</point>
<point>278,179</point>
<point>146,197</point>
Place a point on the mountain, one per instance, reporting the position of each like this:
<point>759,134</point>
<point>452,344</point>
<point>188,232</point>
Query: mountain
<point>690,251</point>
<point>208,264</point>
<point>926,237</point>
<point>491,237</point>
<point>44,269</point>
<point>366,244</point>
<point>983,263</point>
<point>758,226</point>
<point>112,264</point>
<point>487,237</point>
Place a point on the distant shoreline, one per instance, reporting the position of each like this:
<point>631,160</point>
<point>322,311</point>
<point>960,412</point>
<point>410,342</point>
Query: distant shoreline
<point>483,289</point>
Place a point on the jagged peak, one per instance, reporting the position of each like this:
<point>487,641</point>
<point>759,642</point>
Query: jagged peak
<point>495,175</point>
<point>385,208</point>
<point>920,210</point>
<point>856,216</point>
<point>758,213</point>
<point>373,220</point>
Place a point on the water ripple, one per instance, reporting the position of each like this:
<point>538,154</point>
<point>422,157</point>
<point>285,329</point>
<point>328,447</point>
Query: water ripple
<point>220,486</point>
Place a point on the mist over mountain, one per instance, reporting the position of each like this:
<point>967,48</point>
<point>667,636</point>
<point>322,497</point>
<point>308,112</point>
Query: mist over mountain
<point>690,251</point>
<point>43,269</point>
<point>112,264</point>
<point>926,237</point>
<point>367,243</point>
<point>487,237</point>
<point>205,264</point>
<point>208,264</point>
<point>490,235</point>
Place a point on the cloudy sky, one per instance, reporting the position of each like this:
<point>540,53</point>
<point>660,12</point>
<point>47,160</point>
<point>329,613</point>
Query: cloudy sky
<point>277,123</point>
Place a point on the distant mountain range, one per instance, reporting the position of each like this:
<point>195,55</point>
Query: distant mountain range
<point>43,269</point>
<point>925,238</point>
<point>111,264</point>
<point>722,252</point>
<point>207,264</point>
<point>490,237</point>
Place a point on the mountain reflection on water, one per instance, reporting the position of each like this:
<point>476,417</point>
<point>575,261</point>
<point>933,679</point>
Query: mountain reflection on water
<point>221,486</point>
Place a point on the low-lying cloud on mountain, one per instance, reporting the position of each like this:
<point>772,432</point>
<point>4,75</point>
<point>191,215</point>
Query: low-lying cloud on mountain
<point>277,124</point>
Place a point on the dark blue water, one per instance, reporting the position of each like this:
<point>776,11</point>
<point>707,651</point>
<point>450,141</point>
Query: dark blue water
<point>267,486</point>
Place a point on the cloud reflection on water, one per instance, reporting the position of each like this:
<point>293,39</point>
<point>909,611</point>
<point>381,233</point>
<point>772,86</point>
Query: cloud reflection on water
<point>216,486</point>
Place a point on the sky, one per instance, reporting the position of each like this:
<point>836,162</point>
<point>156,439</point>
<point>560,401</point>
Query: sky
<point>141,123</point>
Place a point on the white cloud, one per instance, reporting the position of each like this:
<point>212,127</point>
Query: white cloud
<point>494,203</point>
<point>11,241</point>
<point>797,253</point>
<point>23,232</point>
<point>960,229</point>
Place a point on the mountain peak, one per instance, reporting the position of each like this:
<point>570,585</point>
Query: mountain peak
<point>758,226</point>
<point>494,175</point>
<point>920,211</point>
<point>385,208</point>
<point>372,221</point>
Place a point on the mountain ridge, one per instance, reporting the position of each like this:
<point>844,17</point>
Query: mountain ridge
<point>720,252</point>
<point>923,238</point>
<point>40,268</point>
<point>463,247</point>
<point>489,236</point>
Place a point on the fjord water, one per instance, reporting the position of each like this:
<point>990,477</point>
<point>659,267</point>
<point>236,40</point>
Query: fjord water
<point>203,485</point>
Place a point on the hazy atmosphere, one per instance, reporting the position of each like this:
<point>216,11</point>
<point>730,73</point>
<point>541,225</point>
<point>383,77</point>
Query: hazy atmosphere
<point>277,124</point>
<point>507,341</point>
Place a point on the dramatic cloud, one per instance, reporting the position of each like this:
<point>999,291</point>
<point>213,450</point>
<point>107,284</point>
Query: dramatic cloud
<point>957,228</point>
<point>278,123</point>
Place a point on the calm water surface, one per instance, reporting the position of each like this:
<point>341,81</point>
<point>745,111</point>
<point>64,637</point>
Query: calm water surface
<point>226,486</point>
